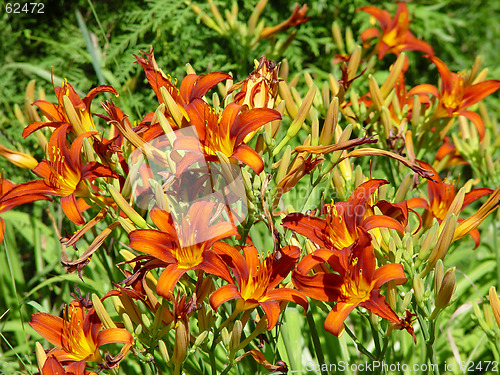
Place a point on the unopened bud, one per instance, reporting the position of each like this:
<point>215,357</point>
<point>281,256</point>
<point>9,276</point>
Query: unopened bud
<point>200,339</point>
<point>406,300</point>
<point>127,322</point>
<point>352,66</point>
<point>337,37</point>
<point>17,158</point>
<point>41,356</point>
<point>127,208</point>
<point>428,243</point>
<point>172,107</point>
<point>404,188</point>
<point>378,100</point>
<point>479,317</point>
<point>443,243</point>
<point>330,123</point>
<point>495,304</point>
<point>103,315</point>
<point>418,289</point>
<point>438,276</point>
<point>226,337</point>
<point>181,343</point>
<point>445,292</point>
<point>488,316</point>
<point>162,348</point>
<point>235,338</point>
<point>393,76</point>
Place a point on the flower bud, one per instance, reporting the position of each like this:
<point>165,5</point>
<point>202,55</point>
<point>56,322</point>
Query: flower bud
<point>127,208</point>
<point>17,158</point>
<point>479,316</point>
<point>337,37</point>
<point>330,123</point>
<point>395,71</point>
<point>428,242</point>
<point>181,343</point>
<point>103,315</point>
<point>353,65</point>
<point>419,289</point>
<point>495,304</point>
<point>235,338</point>
<point>41,356</point>
<point>200,339</point>
<point>378,100</point>
<point>226,337</point>
<point>445,292</point>
<point>447,228</point>
<point>162,348</point>
<point>438,276</point>
<point>172,107</point>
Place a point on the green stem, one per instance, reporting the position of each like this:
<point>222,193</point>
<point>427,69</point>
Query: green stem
<point>429,337</point>
<point>315,339</point>
<point>358,344</point>
<point>376,340</point>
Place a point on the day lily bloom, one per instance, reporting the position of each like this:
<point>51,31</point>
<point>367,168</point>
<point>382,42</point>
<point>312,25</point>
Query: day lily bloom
<point>395,35</point>
<point>192,86</point>
<point>356,285</point>
<point>440,196</point>
<point>224,133</point>
<point>457,93</point>
<point>64,172</point>
<point>182,246</point>
<point>71,109</point>
<point>448,148</point>
<point>12,195</point>
<point>78,336</point>
<point>344,222</point>
<point>257,280</point>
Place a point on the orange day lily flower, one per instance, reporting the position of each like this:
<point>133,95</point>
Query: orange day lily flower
<point>64,173</point>
<point>457,94</point>
<point>344,221</point>
<point>257,279</point>
<point>192,86</point>
<point>78,336</point>
<point>224,133</point>
<point>440,196</point>
<point>358,284</point>
<point>181,246</point>
<point>396,36</point>
<point>12,195</point>
<point>76,111</point>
